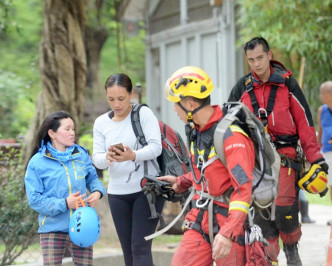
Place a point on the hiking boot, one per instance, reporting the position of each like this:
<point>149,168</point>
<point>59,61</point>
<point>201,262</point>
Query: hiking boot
<point>304,208</point>
<point>292,255</point>
<point>307,220</point>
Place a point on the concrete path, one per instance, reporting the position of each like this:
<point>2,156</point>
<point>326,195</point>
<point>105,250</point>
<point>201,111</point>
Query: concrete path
<point>313,245</point>
<point>315,238</point>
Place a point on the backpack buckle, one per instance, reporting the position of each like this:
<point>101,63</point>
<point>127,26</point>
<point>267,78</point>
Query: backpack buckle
<point>200,161</point>
<point>187,225</point>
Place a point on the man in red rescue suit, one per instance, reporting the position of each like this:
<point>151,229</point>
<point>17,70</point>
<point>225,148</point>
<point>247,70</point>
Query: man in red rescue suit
<point>274,96</point>
<point>227,189</point>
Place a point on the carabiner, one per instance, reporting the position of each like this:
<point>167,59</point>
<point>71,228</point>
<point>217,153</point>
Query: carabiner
<point>262,111</point>
<point>198,205</point>
<point>200,161</point>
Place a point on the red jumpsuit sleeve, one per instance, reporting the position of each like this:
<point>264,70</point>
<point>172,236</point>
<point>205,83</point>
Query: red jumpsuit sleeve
<point>240,160</point>
<point>184,182</point>
<point>301,114</point>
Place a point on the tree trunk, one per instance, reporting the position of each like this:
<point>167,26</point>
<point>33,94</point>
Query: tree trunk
<point>62,64</point>
<point>96,34</point>
<point>95,39</point>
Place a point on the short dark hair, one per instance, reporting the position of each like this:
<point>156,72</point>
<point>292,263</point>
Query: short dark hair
<point>121,80</point>
<point>254,42</point>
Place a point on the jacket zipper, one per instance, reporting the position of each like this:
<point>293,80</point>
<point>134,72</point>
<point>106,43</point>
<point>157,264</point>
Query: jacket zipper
<point>69,183</point>
<point>75,172</point>
<point>68,177</point>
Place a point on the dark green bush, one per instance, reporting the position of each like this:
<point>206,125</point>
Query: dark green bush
<point>18,222</point>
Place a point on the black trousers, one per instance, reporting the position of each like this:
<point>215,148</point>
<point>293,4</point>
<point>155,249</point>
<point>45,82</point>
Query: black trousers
<point>131,214</point>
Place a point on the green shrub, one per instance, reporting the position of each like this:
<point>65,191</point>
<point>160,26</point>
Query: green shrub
<point>16,111</point>
<point>18,222</point>
<point>86,141</point>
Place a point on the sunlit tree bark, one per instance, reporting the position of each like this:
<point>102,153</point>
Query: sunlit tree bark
<point>62,63</point>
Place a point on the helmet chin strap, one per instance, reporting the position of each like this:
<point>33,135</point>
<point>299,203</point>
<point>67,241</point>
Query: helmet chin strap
<point>191,113</point>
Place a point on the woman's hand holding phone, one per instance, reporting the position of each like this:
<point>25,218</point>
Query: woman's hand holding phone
<point>119,153</point>
<point>118,147</point>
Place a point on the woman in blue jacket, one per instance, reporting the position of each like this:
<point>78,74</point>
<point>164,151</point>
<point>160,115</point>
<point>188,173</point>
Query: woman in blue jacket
<point>57,173</point>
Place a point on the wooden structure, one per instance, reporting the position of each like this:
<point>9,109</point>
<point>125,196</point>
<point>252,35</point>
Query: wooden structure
<point>182,32</point>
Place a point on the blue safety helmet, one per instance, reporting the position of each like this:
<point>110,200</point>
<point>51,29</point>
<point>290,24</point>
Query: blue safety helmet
<point>84,227</point>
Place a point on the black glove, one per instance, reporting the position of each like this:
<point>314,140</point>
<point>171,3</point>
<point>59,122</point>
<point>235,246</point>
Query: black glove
<point>325,167</point>
<point>322,163</point>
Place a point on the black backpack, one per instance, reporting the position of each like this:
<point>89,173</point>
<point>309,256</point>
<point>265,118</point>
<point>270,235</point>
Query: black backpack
<point>174,160</point>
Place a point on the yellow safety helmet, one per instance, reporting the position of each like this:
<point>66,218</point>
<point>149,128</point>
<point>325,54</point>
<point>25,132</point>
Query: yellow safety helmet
<point>314,181</point>
<point>188,81</point>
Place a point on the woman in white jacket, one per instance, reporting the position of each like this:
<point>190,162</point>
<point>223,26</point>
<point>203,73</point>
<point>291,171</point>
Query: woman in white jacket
<point>129,206</point>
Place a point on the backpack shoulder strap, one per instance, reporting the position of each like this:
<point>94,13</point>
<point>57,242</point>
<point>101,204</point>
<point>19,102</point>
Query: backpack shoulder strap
<point>136,124</point>
<point>223,125</point>
<point>263,114</point>
<point>272,96</point>
<point>288,82</point>
<point>250,89</point>
<point>185,154</point>
<point>238,89</point>
<point>292,85</point>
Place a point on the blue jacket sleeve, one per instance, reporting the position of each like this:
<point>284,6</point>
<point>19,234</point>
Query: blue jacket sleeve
<point>92,181</point>
<point>50,206</point>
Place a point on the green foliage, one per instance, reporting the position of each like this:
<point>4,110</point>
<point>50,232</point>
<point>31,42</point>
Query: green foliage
<point>136,57</point>
<point>86,141</point>
<point>298,29</point>
<point>120,53</point>
<point>19,50</point>
<point>18,222</point>
<point>19,74</point>
<point>108,62</point>
<point>14,108</point>
<point>103,13</point>
<point>5,13</point>
<point>133,58</point>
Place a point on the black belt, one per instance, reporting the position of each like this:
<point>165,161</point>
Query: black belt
<point>216,208</point>
<point>291,163</point>
<point>187,225</point>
